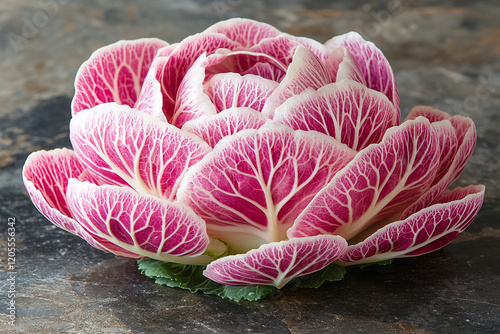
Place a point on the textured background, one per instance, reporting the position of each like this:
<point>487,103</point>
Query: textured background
<point>444,54</point>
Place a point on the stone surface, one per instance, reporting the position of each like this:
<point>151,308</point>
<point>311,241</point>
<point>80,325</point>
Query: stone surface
<point>445,55</point>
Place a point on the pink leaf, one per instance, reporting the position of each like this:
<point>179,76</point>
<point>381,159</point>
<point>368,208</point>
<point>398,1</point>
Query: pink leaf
<point>45,175</point>
<point>266,71</point>
<point>142,224</point>
<point>281,48</point>
<point>383,179</point>
<point>231,90</point>
<point>253,185</point>
<point>464,129</point>
<point>342,64</point>
<point>277,263</point>
<point>454,156</point>
<point>191,101</point>
<point>114,73</point>
<point>376,69</point>
<point>123,146</point>
<point>166,51</point>
<point>151,99</point>
<point>432,114</point>
<point>197,96</point>
<point>306,71</point>
<point>152,81</point>
<point>49,171</point>
<point>347,111</point>
<point>240,61</point>
<point>212,128</point>
<point>312,45</point>
<point>448,146</point>
<point>171,69</point>
<point>244,31</point>
<point>423,232</point>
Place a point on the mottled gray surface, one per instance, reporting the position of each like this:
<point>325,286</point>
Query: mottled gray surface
<point>445,54</point>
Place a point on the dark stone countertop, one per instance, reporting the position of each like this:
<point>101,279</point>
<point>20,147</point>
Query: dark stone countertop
<point>444,54</point>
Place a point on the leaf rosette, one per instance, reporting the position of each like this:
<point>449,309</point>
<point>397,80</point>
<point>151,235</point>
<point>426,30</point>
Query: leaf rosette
<point>244,156</point>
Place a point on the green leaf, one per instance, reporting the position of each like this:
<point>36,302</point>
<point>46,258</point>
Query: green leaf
<point>191,277</point>
<point>379,263</point>
<point>331,273</point>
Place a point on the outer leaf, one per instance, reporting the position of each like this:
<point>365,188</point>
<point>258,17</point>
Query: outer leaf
<point>423,232</point>
<point>464,129</point>
<point>330,273</point>
<point>277,263</point>
<point>254,184</point>
<point>191,278</point>
<point>376,69</point>
<point>382,180</point>
<point>126,147</point>
<point>45,175</point>
<point>114,73</point>
<point>453,158</point>
<point>142,224</point>
<point>432,114</point>
<point>363,266</point>
<point>212,128</point>
<point>448,146</point>
<point>306,71</point>
<point>48,172</point>
<point>347,111</point>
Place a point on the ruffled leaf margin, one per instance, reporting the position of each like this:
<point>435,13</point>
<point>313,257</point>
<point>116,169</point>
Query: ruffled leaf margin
<point>190,277</point>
